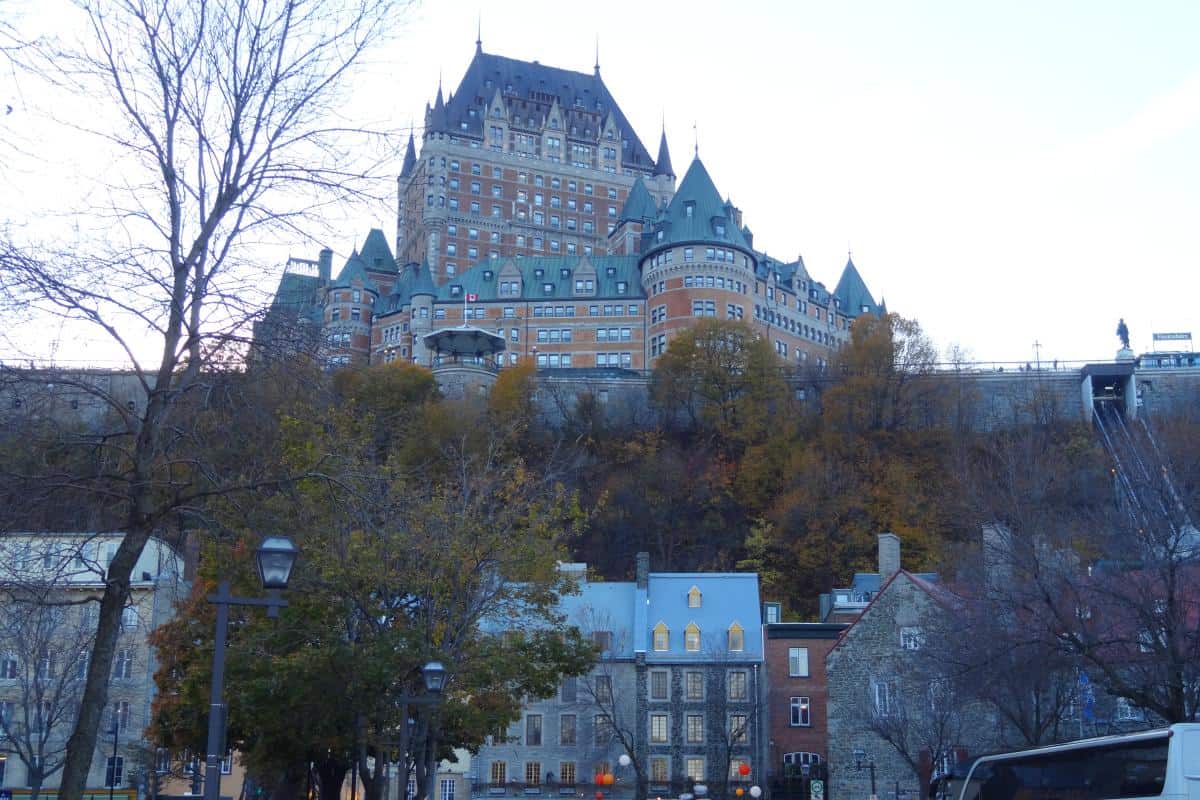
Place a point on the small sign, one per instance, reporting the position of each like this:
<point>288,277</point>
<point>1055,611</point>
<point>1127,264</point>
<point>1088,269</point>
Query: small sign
<point>1172,337</point>
<point>816,790</point>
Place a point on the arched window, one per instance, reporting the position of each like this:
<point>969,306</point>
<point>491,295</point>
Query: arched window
<point>737,637</point>
<point>691,638</point>
<point>662,637</point>
<point>694,597</point>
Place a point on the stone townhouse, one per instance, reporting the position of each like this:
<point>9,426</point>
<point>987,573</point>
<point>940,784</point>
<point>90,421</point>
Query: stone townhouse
<point>675,688</point>
<point>892,722</point>
<point>46,632</point>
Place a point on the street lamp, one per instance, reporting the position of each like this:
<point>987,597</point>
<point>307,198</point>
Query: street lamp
<point>112,773</point>
<point>433,674</point>
<point>859,755</point>
<point>274,560</point>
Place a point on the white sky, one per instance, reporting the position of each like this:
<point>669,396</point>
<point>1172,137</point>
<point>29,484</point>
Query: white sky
<point>1005,173</point>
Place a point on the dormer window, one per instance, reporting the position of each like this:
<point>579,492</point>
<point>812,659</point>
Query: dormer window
<point>610,272</point>
<point>660,236</point>
<point>689,209</point>
<point>539,272</point>
<point>662,638</point>
<point>719,228</point>
<point>455,290</point>
<point>564,273</point>
<point>691,638</point>
<point>487,274</point>
<point>737,638</point>
<point>694,597</point>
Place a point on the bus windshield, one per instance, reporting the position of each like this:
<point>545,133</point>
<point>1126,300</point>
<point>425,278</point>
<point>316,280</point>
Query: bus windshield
<point>1121,770</point>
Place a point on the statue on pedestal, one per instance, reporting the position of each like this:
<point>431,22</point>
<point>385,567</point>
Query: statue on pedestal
<point>1123,334</point>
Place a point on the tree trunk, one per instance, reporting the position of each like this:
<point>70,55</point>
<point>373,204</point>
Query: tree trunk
<point>331,776</point>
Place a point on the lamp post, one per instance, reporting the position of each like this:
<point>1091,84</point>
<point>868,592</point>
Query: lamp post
<point>274,558</point>
<point>434,676</point>
<point>859,755</point>
<point>112,775</point>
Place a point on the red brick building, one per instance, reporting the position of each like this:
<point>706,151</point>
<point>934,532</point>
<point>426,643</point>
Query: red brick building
<point>796,694</point>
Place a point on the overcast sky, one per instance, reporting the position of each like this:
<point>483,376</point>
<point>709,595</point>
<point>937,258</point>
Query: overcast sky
<point>1005,173</point>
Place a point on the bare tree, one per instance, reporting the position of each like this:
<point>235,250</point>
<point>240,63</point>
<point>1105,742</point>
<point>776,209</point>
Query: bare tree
<point>223,130</point>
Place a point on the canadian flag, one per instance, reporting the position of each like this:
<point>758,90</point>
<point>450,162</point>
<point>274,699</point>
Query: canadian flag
<point>471,298</point>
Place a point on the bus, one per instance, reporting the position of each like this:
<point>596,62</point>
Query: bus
<point>1162,763</point>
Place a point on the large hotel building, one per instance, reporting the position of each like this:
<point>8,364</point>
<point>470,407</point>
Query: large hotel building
<point>533,211</point>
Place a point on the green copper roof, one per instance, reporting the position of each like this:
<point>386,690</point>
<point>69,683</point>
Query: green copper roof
<point>355,269</point>
<point>697,214</point>
<point>852,293</point>
<point>376,253</point>
<point>639,206</point>
<point>559,273</point>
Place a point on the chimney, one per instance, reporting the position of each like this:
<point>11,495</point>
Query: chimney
<point>325,265</point>
<point>889,554</point>
<point>643,570</point>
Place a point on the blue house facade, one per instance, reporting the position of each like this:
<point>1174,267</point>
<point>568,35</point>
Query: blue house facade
<point>674,698</point>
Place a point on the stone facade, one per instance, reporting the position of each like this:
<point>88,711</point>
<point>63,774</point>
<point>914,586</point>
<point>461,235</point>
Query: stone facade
<point>40,694</point>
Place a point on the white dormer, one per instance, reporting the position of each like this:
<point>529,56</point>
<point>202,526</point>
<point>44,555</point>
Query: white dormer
<point>694,597</point>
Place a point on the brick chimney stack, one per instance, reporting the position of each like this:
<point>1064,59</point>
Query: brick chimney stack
<point>889,554</point>
<point>643,570</point>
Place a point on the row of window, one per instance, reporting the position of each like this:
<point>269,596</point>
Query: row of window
<point>714,282</point>
<point>46,714</point>
<point>737,687</point>
<point>735,635</point>
<point>356,314</point>
<point>523,177</point>
<point>694,768</point>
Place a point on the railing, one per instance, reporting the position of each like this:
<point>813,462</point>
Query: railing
<point>514,789</point>
<point>479,362</point>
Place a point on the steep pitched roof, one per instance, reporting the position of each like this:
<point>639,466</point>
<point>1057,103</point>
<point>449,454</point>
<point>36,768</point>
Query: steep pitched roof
<point>639,206</point>
<point>852,292</point>
<point>410,158</point>
<point>376,254</point>
<point>662,165</point>
<point>697,213</point>
<point>530,89</point>
<point>725,598</point>
<point>355,269</point>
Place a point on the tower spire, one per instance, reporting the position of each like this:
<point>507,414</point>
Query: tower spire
<point>479,33</point>
<point>597,55</point>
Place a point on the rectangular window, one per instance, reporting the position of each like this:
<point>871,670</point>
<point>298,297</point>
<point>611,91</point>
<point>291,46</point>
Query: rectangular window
<point>658,728</point>
<point>121,713</point>
<point>798,662</point>
<point>227,763</point>
<point>694,685</point>
<point>738,729</point>
<point>603,640</point>
<point>499,772</point>
<point>123,664</point>
<point>603,730</point>
<point>570,688</point>
<point>533,773</point>
<point>883,699</point>
<point>566,773</point>
<point>447,786</point>
<point>566,729</point>
<point>694,768</point>
<point>533,730</point>
<point>694,728</point>
<point>8,667</point>
<point>604,689</point>
<point>114,773</point>
<point>660,769</point>
<point>911,638</point>
<point>800,712</point>
<point>737,684</point>
<point>658,684</point>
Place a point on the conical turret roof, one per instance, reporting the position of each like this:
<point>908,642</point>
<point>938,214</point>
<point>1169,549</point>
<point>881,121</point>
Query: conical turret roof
<point>639,206</point>
<point>852,293</point>
<point>355,270</point>
<point>376,254</point>
<point>662,166</point>
<point>410,157</point>
<point>697,213</point>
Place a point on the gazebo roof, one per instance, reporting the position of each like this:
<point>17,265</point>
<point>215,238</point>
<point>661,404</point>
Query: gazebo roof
<point>464,340</point>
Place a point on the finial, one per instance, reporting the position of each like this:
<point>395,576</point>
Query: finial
<point>597,54</point>
<point>479,33</point>
<point>696,136</point>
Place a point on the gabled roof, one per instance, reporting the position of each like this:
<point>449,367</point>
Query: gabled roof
<point>376,253</point>
<point>852,292</point>
<point>726,598</point>
<point>639,206</point>
<point>355,270</point>
<point>530,90</point>
<point>695,212</point>
<point>939,594</point>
